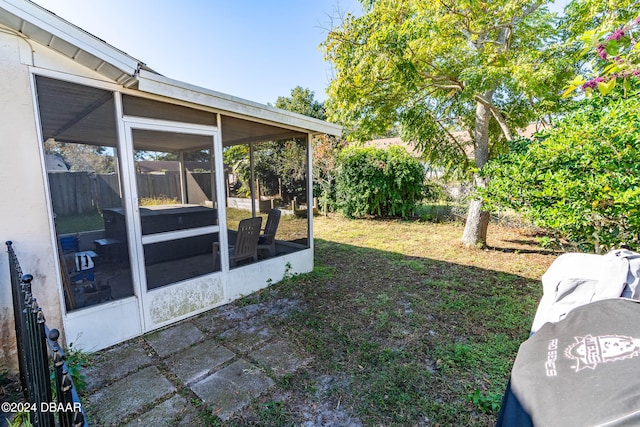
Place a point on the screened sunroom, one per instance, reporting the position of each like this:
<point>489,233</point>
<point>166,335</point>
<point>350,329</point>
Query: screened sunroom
<point>162,199</point>
<point>148,198</point>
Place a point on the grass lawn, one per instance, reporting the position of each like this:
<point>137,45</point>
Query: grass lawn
<point>79,223</point>
<point>405,326</point>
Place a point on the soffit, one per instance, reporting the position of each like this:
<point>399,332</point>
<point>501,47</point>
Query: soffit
<point>48,29</point>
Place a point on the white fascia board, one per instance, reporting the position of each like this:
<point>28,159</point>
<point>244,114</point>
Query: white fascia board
<point>160,85</point>
<point>64,30</point>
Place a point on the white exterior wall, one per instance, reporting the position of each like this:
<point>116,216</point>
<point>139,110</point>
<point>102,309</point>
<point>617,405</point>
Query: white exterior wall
<point>23,211</point>
<point>253,277</point>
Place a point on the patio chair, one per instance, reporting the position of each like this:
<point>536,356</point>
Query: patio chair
<point>246,246</point>
<point>70,244</point>
<point>267,241</point>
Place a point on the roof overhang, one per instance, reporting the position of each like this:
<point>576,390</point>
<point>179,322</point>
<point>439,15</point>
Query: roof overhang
<point>160,85</point>
<point>48,29</point>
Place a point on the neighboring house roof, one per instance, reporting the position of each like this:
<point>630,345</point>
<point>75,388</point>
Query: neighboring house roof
<point>384,143</point>
<point>55,163</point>
<point>462,136</point>
<point>38,24</point>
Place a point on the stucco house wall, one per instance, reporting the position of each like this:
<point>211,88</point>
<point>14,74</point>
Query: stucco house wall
<point>24,202</point>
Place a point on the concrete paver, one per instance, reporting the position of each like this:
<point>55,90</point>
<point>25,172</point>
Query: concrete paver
<point>232,388</point>
<point>226,317</point>
<point>174,338</point>
<point>224,358</point>
<point>279,357</point>
<point>246,336</point>
<point>111,404</point>
<point>196,362</point>
<point>173,411</point>
<point>115,363</point>
<point>249,378</point>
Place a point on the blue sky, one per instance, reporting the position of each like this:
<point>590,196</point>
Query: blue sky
<point>253,49</point>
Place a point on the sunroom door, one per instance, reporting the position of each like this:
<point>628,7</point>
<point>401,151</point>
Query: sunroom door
<point>175,184</point>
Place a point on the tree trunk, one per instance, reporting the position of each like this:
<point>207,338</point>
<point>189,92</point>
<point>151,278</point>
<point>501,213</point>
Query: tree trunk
<point>475,230</point>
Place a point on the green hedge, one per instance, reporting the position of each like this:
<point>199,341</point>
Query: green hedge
<point>383,183</point>
<point>581,178</point>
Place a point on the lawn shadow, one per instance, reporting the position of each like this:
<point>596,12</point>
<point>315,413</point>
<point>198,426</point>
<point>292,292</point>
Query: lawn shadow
<point>414,335</point>
<point>522,250</point>
<point>379,268</point>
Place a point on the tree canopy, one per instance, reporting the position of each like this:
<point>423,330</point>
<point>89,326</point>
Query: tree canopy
<point>281,166</point>
<point>82,157</point>
<point>325,148</point>
<point>607,32</point>
<point>434,68</point>
<point>302,101</point>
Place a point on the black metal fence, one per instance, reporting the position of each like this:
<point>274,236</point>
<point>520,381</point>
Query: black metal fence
<point>37,347</point>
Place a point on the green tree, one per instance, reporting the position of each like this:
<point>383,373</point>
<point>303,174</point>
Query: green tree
<point>83,157</point>
<point>431,68</point>
<point>325,148</point>
<point>325,167</point>
<point>581,178</point>
<point>302,102</point>
<point>279,166</point>
<point>291,155</point>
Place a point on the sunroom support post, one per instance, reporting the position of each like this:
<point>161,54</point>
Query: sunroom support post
<point>309,192</point>
<point>214,192</point>
<point>183,179</point>
<point>253,180</point>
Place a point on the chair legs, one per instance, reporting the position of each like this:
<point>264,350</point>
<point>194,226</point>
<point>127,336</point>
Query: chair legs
<point>271,249</point>
<point>216,256</point>
<point>232,258</point>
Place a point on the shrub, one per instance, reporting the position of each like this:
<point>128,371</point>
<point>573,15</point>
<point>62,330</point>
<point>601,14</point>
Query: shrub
<point>433,191</point>
<point>581,178</point>
<point>384,183</point>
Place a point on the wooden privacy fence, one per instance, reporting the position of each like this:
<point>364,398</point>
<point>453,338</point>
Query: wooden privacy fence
<point>80,193</point>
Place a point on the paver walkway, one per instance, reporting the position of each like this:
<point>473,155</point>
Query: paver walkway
<point>224,358</point>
